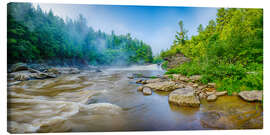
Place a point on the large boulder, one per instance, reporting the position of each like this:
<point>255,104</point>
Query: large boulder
<point>184,97</point>
<point>18,67</point>
<point>164,86</point>
<point>254,95</point>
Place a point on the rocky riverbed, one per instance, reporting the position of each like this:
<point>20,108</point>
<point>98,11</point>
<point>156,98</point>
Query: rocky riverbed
<point>139,98</point>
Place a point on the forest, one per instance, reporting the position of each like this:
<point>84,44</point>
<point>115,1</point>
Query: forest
<point>228,51</point>
<point>36,36</point>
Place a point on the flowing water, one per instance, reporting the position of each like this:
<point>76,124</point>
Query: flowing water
<point>109,101</point>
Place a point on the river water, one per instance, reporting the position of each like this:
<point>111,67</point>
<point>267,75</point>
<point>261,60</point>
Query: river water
<point>109,101</point>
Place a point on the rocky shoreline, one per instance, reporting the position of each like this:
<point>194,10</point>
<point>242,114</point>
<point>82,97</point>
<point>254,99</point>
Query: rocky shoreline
<point>184,91</point>
<point>188,91</point>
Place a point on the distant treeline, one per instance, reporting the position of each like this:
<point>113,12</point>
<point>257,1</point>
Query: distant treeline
<point>228,51</point>
<point>38,36</point>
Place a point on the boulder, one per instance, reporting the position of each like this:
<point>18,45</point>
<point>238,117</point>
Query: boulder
<point>164,86</point>
<point>221,93</point>
<point>18,67</point>
<point>211,98</point>
<point>147,91</point>
<point>184,97</point>
<point>254,95</point>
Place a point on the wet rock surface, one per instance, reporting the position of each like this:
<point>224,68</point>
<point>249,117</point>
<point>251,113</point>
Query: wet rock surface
<point>184,97</point>
<point>147,91</point>
<point>164,86</point>
<point>254,95</point>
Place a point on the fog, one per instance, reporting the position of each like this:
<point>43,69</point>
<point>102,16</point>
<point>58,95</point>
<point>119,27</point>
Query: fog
<point>154,25</point>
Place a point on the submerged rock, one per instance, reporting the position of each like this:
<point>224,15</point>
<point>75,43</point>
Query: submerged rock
<point>254,95</point>
<point>147,91</point>
<point>216,119</point>
<point>164,86</point>
<point>184,97</point>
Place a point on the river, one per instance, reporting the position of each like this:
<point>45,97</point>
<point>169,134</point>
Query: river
<point>109,101</point>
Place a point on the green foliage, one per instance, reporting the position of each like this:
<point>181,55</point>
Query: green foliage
<point>157,59</point>
<point>164,65</point>
<point>34,35</point>
<point>228,51</point>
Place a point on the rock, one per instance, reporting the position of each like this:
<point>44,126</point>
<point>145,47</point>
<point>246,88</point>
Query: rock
<point>176,60</point>
<point>40,67</point>
<point>254,95</point>
<point>201,87</point>
<point>221,93</point>
<point>144,82</point>
<point>64,70</point>
<point>184,97</point>
<point>139,81</point>
<point>20,75</point>
<point>216,119</point>
<point>18,67</point>
<point>140,88</point>
<point>195,77</point>
<point>202,95</point>
<point>29,74</point>
<point>14,83</point>
<point>154,80</point>
<point>147,91</point>
<point>178,77</point>
<point>164,86</point>
<point>195,85</point>
<point>212,85</point>
<point>211,98</point>
<point>210,93</point>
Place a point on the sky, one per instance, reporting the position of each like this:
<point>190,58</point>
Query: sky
<point>155,25</point>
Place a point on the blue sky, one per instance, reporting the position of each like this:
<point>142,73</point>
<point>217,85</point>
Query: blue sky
<point>154,25</point>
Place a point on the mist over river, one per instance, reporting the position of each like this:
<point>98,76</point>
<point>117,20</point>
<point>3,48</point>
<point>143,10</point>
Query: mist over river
<point>109,101</point>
